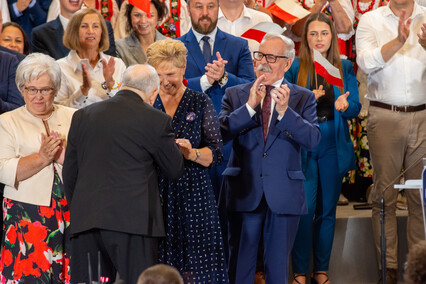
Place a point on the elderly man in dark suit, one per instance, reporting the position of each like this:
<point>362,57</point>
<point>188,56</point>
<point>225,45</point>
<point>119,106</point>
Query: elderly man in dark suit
<point>110,177</point>
<point>269,121</point>
<point>47,38</point>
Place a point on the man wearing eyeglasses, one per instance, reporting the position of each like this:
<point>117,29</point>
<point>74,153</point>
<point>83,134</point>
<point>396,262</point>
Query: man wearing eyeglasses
<point>269,121</point>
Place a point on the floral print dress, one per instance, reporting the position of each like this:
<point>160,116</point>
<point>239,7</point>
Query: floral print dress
<point>35,240</point>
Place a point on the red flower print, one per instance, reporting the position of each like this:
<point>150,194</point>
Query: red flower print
<point>46,211</point>
<point>174,11</point>
<point>11,235</point>
<point>63,202</point>
<point>24,267</point>
<point>35,231</point>
<point>7,257</point>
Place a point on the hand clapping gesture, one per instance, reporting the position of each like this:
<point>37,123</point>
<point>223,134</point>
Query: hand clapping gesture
<point>319,92</point>
<point>341,104</point>
<point>51,148</point>
<point>257,93</point>
<point>185,147</point>
<point>108,71</point>
<point>281,95</point>
<point>87,80</point>
<point>216,69</point>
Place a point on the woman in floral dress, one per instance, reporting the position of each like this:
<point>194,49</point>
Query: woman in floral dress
<point>35,210</point>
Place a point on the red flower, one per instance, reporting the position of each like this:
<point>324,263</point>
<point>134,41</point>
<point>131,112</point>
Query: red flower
<point>47,211</point>
<point>11,234</point>
<point>35,231</point>
<point>7,257</point>
<point>63,202</point>
<point>24,267</point>
<point>174,11</point>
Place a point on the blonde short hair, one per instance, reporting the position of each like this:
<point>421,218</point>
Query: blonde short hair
<point>71,38</point>
<point>167,50</point>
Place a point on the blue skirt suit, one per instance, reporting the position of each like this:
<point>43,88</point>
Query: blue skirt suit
<point>324,168</point>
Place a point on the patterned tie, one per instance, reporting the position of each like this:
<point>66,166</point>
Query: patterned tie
<point>207,52</point>
<point>266,111</point>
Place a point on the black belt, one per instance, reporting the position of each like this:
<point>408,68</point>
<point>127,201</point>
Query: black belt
<point>324,119</point>
<point>398,108</point>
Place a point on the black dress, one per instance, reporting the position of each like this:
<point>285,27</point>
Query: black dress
<point>193,242</point>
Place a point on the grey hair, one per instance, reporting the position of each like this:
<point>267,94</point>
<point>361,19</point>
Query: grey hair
<point>289,52</point>
<point>35,65</point>
<point>145,82</point>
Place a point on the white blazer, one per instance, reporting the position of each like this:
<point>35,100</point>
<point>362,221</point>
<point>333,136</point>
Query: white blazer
<point>20,137</point>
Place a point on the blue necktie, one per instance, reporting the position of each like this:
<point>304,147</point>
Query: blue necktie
<point>207,52</point>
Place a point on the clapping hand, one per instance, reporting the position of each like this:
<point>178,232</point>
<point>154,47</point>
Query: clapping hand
<point>108,69</point>
<point>422,36</point>
<point>341,104</point>
<point>51,148</point>
<point>257,92</point>
<point>281,95</point>
<point>216,69</point>
<point>87,80</point>
<point>319,92</point>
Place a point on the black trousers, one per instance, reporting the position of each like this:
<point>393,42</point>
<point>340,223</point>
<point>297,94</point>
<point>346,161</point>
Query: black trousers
<point>124,253</point>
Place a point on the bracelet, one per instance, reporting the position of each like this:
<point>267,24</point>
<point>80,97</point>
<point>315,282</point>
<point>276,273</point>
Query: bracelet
<point>197,152</point>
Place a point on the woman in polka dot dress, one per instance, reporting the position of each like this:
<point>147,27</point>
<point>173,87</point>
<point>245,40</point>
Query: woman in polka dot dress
<point>193,242</point>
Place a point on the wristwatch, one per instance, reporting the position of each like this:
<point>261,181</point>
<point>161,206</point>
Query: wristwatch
<point>222,81</point>
<point>197,152</point>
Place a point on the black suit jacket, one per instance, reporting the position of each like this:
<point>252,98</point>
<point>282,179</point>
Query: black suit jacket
<point>47,39</point>
<point>110,170</point>
<point>18,55</point>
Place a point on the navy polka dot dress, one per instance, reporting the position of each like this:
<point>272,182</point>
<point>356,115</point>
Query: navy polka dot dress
<point>193,242</point>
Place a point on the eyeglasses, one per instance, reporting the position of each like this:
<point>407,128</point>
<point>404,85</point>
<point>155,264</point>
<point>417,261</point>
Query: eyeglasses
<point>33,91</point>
<point>270,58</point>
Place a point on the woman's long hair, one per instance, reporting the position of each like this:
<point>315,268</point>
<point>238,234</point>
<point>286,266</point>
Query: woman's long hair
<point>305,54</point>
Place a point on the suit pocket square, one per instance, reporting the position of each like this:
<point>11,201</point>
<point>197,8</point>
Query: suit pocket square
<point>231,172</point>
<point>296,175</point>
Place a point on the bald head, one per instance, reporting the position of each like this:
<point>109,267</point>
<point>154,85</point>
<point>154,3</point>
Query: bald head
<point>143,79</point>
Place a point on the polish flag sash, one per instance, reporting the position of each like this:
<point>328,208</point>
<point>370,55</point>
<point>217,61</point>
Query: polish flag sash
<point>258,31</point>
<point>324,68</point>
<point>288,11</point>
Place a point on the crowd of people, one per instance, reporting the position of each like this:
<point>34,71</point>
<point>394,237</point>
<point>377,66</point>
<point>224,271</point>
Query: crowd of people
<point>149,132</point>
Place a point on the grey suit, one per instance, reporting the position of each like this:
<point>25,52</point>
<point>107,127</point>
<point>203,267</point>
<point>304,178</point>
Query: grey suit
<point>130,50</point>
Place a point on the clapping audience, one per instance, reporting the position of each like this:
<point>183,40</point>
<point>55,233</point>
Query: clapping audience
<point>89,69</point>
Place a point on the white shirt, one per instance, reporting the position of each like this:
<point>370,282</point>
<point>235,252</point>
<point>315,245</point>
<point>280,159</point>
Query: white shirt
<point>401,80</point>
<point>204,82</point>
<point>72,78</point>
<point>248,19</point>
<point>4,11</point>
<point>252,112</point>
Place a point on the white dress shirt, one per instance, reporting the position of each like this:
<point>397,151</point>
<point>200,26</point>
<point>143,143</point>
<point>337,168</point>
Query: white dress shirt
<point>204,82</point>
<point>248,19</point>
<point>72,78</point>
<point>401,80</point>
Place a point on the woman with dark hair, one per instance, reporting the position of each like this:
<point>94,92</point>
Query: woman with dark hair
<point>142,29</point>
<point>88,75</point>
<point>14,37</point>
<point>324,166</point>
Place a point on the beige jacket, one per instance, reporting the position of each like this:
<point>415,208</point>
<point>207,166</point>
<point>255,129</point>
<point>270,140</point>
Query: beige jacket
<point>20,137</point>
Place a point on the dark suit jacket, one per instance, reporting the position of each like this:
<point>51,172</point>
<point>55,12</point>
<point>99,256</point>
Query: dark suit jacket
<point>10,97</point>
<point>47,39</point>
<point>18,55</point>
<point>31,17</point>
<point>273,169</point>
<point>110,170</point>
<point>239,67</point>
